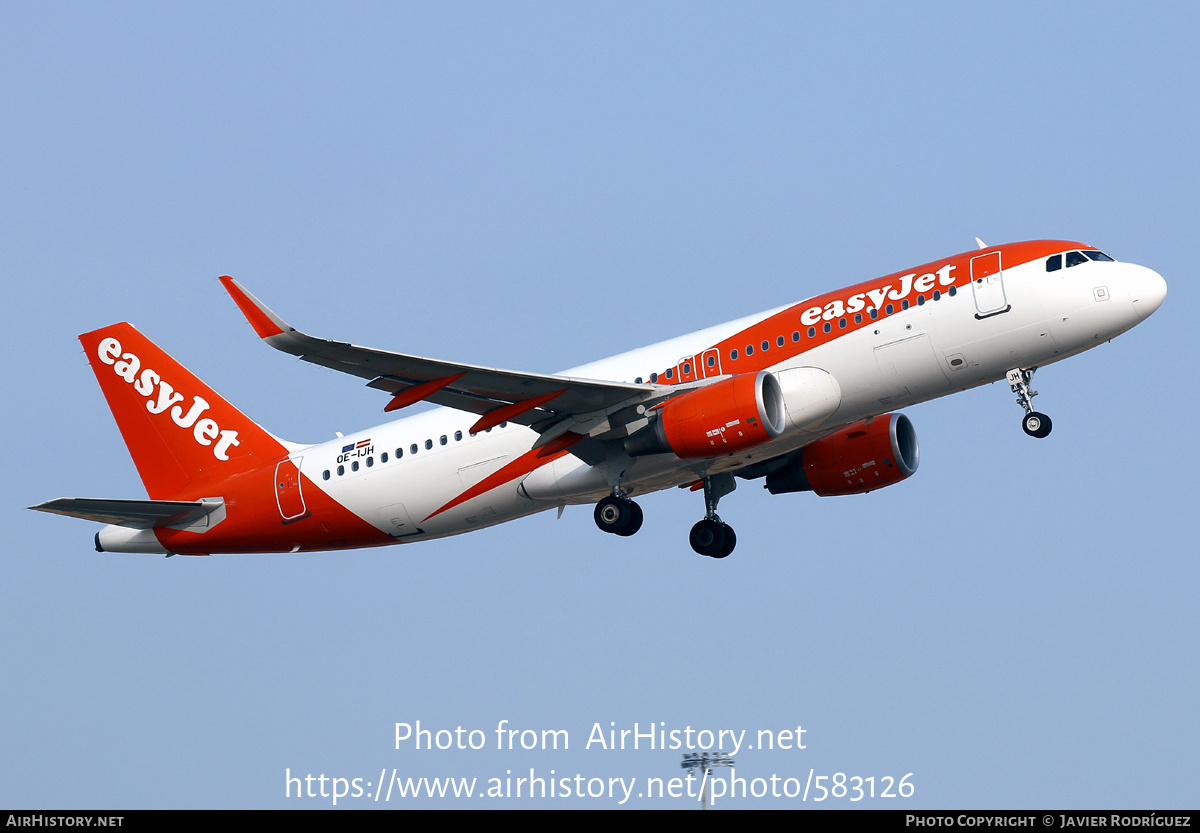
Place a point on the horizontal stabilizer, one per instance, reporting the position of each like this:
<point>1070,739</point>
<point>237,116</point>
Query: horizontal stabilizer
<point>136,514</point>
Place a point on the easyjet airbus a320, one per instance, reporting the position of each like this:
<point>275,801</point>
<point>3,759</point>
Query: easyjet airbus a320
<point>802,396</point>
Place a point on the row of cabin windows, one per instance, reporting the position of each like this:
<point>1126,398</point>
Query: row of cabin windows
<point>827,327</point>
<point>1054,263</point>
<point>412,449</point>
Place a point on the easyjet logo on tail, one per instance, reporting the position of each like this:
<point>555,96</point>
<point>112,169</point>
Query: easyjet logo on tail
<point>145,380</point>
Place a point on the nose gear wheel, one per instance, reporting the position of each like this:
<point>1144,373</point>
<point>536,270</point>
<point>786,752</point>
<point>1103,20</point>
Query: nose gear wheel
<point>1035,424</point>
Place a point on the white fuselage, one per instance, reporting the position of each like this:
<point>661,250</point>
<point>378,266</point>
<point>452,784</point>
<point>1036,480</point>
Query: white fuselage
<point>1034,317</point>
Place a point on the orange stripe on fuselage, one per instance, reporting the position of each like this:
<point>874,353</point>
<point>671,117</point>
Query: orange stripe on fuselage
<point>253,522</point>
<point>527,462</point>
<point>788,321</point>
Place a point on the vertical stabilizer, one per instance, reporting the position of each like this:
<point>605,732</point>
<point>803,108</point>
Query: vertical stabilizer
<point>182,435</point>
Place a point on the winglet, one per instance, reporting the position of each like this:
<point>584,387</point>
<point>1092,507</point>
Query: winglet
<point>264,322</point>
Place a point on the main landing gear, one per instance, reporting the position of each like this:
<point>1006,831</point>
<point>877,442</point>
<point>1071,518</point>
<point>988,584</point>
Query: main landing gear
<point>1034,424</point>
<point>712,536</point>
<point>618,514</point>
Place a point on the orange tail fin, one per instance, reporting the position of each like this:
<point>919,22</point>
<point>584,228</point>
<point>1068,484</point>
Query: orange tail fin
<point>183,437</point>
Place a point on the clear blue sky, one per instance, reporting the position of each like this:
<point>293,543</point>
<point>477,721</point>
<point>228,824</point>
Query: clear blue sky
<point>535,186</point>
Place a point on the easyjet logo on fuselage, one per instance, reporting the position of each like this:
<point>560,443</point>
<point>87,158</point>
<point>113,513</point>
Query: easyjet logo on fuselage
<point>205,430</point>
<point>857,302</point>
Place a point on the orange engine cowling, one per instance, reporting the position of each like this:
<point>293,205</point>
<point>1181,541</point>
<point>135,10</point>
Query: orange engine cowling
<point>860,458</point>
<point>722,418</point>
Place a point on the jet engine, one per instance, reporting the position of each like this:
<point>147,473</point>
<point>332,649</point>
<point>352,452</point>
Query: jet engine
<point>722,418</point>
<point>860,458</point>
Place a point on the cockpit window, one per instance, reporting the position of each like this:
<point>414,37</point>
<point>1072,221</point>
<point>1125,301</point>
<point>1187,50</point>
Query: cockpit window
<point>1075,258</point>
<point>1098,256</point>
<point>1053,264</point>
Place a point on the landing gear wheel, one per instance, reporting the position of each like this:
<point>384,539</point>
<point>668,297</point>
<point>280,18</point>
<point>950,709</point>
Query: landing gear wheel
<point>707,537</point>
<point>1020,380</point>
<point>619,516</point>
<point>635,520</point>
<point>712,538</point>
<point>730,543</point>
<point>1036,425</point>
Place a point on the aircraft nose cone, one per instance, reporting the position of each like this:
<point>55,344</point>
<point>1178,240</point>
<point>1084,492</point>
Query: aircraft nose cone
<point>1147,291</point>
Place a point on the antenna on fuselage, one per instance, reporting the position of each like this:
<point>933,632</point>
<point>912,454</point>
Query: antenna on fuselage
<point>982,245</point>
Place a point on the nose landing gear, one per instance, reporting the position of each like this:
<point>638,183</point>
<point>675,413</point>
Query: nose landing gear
<point>1034,424</point>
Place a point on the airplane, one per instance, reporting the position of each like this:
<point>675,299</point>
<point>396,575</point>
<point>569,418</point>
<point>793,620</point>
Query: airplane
<point>804,397</point>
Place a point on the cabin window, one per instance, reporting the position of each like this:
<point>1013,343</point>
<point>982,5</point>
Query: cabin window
<point>904,304</point>
<point>670,372</point>
<point>889,309</point>
<point>779,341</point>
<point>711,361</point>
<point>341,470</point>
<point>428,444</point>
<point>841,323</point>
<point>457,436</point>
<point>399,453</point>
<point>383,458</point>
<point>937,295</point>
<point>654,377</point>
<point>858,318</point>
<point>370,462</point>
<point>812,332</point>
<point>827,327</point>
<point>325,474</point>
<point>749,349</point>
<point>442,440</point>
<point>874,313</point>
<point>638,380</point>
<point>733,355</point>
<point>687,367</point>
<point>796,335</point>
<point>920,300</point>
<point>354,466</point>
<point>952,291</point>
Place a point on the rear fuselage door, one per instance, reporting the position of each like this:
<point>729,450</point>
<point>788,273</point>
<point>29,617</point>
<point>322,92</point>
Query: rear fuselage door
<point>289,496</point>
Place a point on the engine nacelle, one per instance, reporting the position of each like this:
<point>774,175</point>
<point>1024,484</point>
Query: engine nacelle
<point>722,418</point>
<point>861,458</point>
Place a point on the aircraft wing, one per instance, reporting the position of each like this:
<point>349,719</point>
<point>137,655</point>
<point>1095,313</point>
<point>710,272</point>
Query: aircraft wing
<point>137,514</point>
<point>552,405</point>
